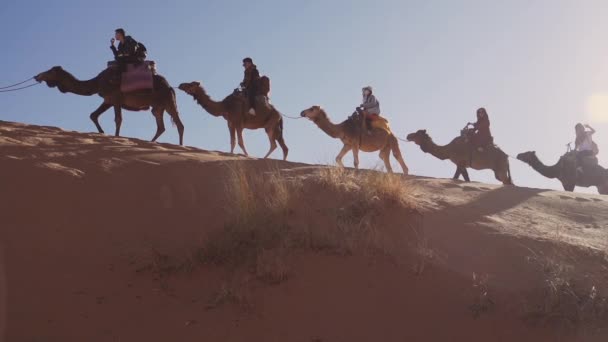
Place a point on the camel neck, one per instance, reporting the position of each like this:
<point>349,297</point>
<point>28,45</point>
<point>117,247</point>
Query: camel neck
<point>439,152</point>
<point>212,107</point>
<point>328,127</point>
<point>547,171</point>
<point>71,84</point>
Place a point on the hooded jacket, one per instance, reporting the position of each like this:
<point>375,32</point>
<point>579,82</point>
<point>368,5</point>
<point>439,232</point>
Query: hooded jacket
<point>371,104</point>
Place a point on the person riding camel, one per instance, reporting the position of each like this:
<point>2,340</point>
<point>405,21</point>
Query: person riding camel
<point>250,82</point>
<point>482,137</point>
<point>126,53</point>
<point>370,106</point>
<point>584,144</point>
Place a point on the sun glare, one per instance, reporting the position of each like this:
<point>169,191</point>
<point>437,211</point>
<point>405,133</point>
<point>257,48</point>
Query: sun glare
<point>597,107</point>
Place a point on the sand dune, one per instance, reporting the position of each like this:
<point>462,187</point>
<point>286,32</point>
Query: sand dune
<point>116,239</point>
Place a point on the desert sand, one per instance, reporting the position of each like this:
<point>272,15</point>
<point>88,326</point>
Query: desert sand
<point>117,239</point>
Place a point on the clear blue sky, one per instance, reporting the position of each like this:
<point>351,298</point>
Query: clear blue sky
<point>537,66</point>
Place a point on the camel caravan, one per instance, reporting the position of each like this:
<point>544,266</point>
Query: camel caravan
<point>131,82</point>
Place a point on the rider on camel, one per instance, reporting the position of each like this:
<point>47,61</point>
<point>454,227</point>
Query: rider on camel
<point>370,107</point>
<point>482,137</point>
<point>584,144</point>
<point>250,82</point>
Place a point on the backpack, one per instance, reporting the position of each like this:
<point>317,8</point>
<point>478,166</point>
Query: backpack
<point>596,149</point>
<point>264,86</point>
<point>142,52</point>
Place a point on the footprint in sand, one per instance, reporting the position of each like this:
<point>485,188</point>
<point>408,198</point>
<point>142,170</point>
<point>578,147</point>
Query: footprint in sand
<point>597,200</point>
<point>470,188</point>
<point>565,197</point>
<point>582,199</point>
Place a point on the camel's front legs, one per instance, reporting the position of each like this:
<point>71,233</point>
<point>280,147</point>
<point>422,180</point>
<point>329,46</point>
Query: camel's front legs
<point>341,155</point>
<point>457,173</point>
<point>568,187</point>
<point>118,118</point>
<point>95,115</point>
<point>465,174</point>
<point>461,170</point>
<point>239,134</point>
<point>160,124</point>
<point>232,131</point>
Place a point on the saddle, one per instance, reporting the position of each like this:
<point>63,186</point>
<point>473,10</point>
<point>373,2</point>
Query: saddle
<point>586,162</point>
<point>468,135</point>
<point>137,77</point>
<point>373,120</point>
<point>260,100</point>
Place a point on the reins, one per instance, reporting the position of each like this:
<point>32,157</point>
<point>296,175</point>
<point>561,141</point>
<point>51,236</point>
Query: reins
<point>15,87</point>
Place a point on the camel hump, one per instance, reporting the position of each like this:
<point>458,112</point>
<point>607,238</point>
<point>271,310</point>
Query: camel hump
<point>381,123</point>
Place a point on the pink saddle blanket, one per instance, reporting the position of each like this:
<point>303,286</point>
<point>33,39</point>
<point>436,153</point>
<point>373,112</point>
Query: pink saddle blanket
<point>137,77</point>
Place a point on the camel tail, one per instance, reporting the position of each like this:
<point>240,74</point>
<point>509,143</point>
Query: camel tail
<point>509,170</point>
<point>174,100</point>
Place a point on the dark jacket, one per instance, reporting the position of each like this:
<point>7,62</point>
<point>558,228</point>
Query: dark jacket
<point>128,49</point>
<point>482,136</point>
<point>251,78</point>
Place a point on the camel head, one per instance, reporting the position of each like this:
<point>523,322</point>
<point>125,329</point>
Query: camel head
<point>527,157</point>
<point>51,76</point>
<point>418,137</point>
<point>190,88</point>
<point>313,113</point>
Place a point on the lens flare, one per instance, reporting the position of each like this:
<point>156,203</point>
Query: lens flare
<point>597,107</point>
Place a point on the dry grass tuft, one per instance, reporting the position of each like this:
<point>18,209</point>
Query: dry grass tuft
<point>563,303</point>
<point>272,215</point>
<point>259,208</point>
<point>367,184</point>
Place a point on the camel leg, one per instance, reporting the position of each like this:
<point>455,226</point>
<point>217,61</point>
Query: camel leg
<point>568,187</point>
<point>279,138</point>
<point>356,157</point>
<point>502,177</point>
<point>232,131</point>
<point>239,134</point>
<point>457,174</point>
<point>95,115</point>
<point>160,124</point>
<point>397,154</point>
<point>465,174</point>
<point>273,143</point>
<point>341,155</point>
<point>178,122</point>
<point>602,189</point>
<point>385,154</point>
<point>118,119</point>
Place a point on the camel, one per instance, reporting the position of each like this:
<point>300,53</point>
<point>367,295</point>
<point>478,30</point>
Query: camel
<point>565,171</point>
<point>350,133</point>
<point>460,152</point>
<point>234,110</point>
<point>161,98</point>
